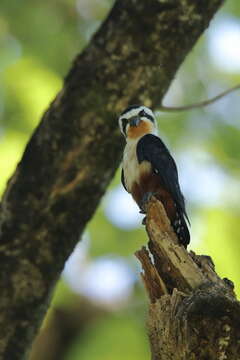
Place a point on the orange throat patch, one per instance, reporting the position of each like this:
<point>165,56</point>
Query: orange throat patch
<point>143,128</point>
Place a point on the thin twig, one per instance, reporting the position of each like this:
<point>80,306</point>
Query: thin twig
<point>200,104</point>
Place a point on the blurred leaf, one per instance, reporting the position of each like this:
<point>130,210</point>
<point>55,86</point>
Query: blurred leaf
<point>63,294</point>
<point>45,29</point>
<point>224,144</point>
<point>222,242</point>
<point>11,147</point>
<point>232,7</point>
<point>107,238</point>
<point>115,337</point>
<point>30,87</point>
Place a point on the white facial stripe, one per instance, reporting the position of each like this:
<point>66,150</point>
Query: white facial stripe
<point>136,111</point>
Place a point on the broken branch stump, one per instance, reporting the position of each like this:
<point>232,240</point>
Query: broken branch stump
<point>193,313</point>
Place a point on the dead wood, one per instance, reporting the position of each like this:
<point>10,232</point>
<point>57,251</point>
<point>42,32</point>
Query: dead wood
<point>193,313</point>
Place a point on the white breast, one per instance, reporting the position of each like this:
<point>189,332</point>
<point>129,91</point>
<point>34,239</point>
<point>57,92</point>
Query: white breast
<point>132,169</point>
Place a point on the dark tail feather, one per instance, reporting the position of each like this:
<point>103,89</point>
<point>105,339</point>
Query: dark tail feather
<point>181,229</point>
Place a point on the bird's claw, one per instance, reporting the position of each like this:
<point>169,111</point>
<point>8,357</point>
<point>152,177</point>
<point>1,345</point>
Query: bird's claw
<point>145,200</point>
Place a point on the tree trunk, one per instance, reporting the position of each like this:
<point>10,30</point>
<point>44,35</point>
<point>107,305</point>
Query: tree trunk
<point>74,152</point>
<point>193,315</point>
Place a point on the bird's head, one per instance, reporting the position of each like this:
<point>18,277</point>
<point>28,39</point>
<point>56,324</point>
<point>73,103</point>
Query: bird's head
<point>137,121</point>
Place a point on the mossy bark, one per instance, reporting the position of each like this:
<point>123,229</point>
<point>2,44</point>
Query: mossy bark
<point>74,152</point>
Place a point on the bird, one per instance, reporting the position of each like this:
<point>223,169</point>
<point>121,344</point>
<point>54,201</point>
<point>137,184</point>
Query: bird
<point>148,168</point>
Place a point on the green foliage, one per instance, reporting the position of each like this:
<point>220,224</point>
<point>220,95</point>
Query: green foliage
<point>225,147</point>
<point>11,148</point>
<point>32,86</point>
<point>115,337</point>
<point>222,241</point>
<point>38,42</point>
<point>108,239</point>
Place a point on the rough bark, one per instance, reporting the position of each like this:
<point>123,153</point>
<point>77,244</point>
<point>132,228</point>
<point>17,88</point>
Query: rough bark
<point>74,152</point>
<point>193,315</point>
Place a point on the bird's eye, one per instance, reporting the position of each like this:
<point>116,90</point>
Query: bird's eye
<point>142,113</point>
<point>146,115</point>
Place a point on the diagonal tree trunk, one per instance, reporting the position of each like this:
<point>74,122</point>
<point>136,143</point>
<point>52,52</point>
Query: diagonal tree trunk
<point>74,152</point>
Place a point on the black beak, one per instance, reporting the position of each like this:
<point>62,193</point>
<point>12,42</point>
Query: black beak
<point>134,121</point>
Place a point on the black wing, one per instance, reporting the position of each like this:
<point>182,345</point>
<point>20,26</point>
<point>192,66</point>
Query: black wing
<point>152,149</point>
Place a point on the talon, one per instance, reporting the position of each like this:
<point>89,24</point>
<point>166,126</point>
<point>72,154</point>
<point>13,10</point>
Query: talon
<point>145,199</point>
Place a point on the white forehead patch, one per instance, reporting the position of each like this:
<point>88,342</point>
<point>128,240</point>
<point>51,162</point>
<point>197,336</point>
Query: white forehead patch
<point>134,112</point>
<point>123,119</point>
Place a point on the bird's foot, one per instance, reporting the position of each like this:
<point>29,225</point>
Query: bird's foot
<point>145,200</point>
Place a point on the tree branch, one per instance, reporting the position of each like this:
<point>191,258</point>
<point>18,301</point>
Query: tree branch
<point>200,104</point>
<point>197,316</point>
<point>74,152</point>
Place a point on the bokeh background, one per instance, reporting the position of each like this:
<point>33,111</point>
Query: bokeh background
<point>99,306</point>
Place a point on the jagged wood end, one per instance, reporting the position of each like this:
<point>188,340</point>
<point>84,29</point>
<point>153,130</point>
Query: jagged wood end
<point>153,283</point>
<point>193,313</point>
<point>172,263</point>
